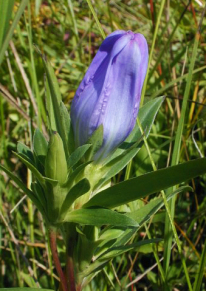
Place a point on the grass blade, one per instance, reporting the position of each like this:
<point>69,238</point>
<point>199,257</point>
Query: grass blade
<point>12,28</point>
<point>176,151</point>
<point>200,272</point>
<point>6,8</point>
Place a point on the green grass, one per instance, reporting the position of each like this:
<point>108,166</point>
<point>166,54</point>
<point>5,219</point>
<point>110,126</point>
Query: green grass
<point>69,34</point>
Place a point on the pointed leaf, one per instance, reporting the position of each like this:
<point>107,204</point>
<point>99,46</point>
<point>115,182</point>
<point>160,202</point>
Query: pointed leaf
<point>56,110</point>
<point>71,179</point>
<point>147,184</point>
<point>96,141</point>
<point>23,149</point>
<point>143,214</point>
<point>34,170</point>
<point>39,191</point>
<point>40,145</point>
<point>67,128</point>
<point>117,164</point>
<point>116,251</point>
<point>77,155</point>
<point>76,191</point>
<point>99,216</point>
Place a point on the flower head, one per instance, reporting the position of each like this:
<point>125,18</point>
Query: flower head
<point>110,91</point>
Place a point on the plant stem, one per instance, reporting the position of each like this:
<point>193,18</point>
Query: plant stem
<point>70,274</point>
<point>53,245</point>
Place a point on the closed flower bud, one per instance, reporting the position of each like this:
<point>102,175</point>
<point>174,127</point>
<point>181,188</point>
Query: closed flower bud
<point>55,164</point>
<point>110,91</point>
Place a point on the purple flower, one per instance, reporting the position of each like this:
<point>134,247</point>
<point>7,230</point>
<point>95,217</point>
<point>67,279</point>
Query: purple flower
<point>110,91</point>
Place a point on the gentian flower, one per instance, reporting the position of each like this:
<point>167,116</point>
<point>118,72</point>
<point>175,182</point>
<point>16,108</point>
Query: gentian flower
<point>110,91</point>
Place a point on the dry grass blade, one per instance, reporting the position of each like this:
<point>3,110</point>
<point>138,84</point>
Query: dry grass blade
<point>24,76</point>
<point>5,93</point>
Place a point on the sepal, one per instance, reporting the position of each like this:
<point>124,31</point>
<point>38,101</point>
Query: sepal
<point>55,163</point>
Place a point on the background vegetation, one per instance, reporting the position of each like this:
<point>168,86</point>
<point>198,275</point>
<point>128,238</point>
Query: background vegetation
<point>69,34</point>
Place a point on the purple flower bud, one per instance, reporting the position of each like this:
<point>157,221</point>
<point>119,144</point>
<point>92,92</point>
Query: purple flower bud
<point>110,91</point>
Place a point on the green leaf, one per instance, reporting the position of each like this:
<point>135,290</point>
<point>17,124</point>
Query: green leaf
<point>51,181</point>
<point>40,145</point>
<point>25,152</point>
<point>76,191</point>
<point>117,164</point>
<point>147,184</point>
<point>128,149</point>
<point>111,233</point>
<point>55,163</point>
<point>77,155</point>
<point>144,213</point>
<point>55,195</point>
<point>49,107</point>
<point>96,141</point>
<point>57,112</point>
<point>118,250</point>
<point>76,173</point>
<point>28,279</point>
<point>39,191</point>
<point>99,216</point>
<point>67,128</point>
<point>31,167</point>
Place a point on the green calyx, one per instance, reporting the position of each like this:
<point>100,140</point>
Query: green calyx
<point>55,163</point>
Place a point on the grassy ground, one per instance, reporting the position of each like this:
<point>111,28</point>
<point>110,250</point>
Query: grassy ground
<point>69,34</point>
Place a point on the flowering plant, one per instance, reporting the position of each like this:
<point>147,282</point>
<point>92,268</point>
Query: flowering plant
<point>73,169</point>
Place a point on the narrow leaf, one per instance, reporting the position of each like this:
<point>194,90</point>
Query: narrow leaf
<point>56,110</point>
<point>23,149</point>
<point>117,164</point>
<point>98,216</point>
<point>143,214</point>
<point>40,144</point>
<point>78,190</point>
<point>77,155</point>
<point>96,141</point>
<point>114,251</point>
<point>36,173</point>
<point>147,184</point>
